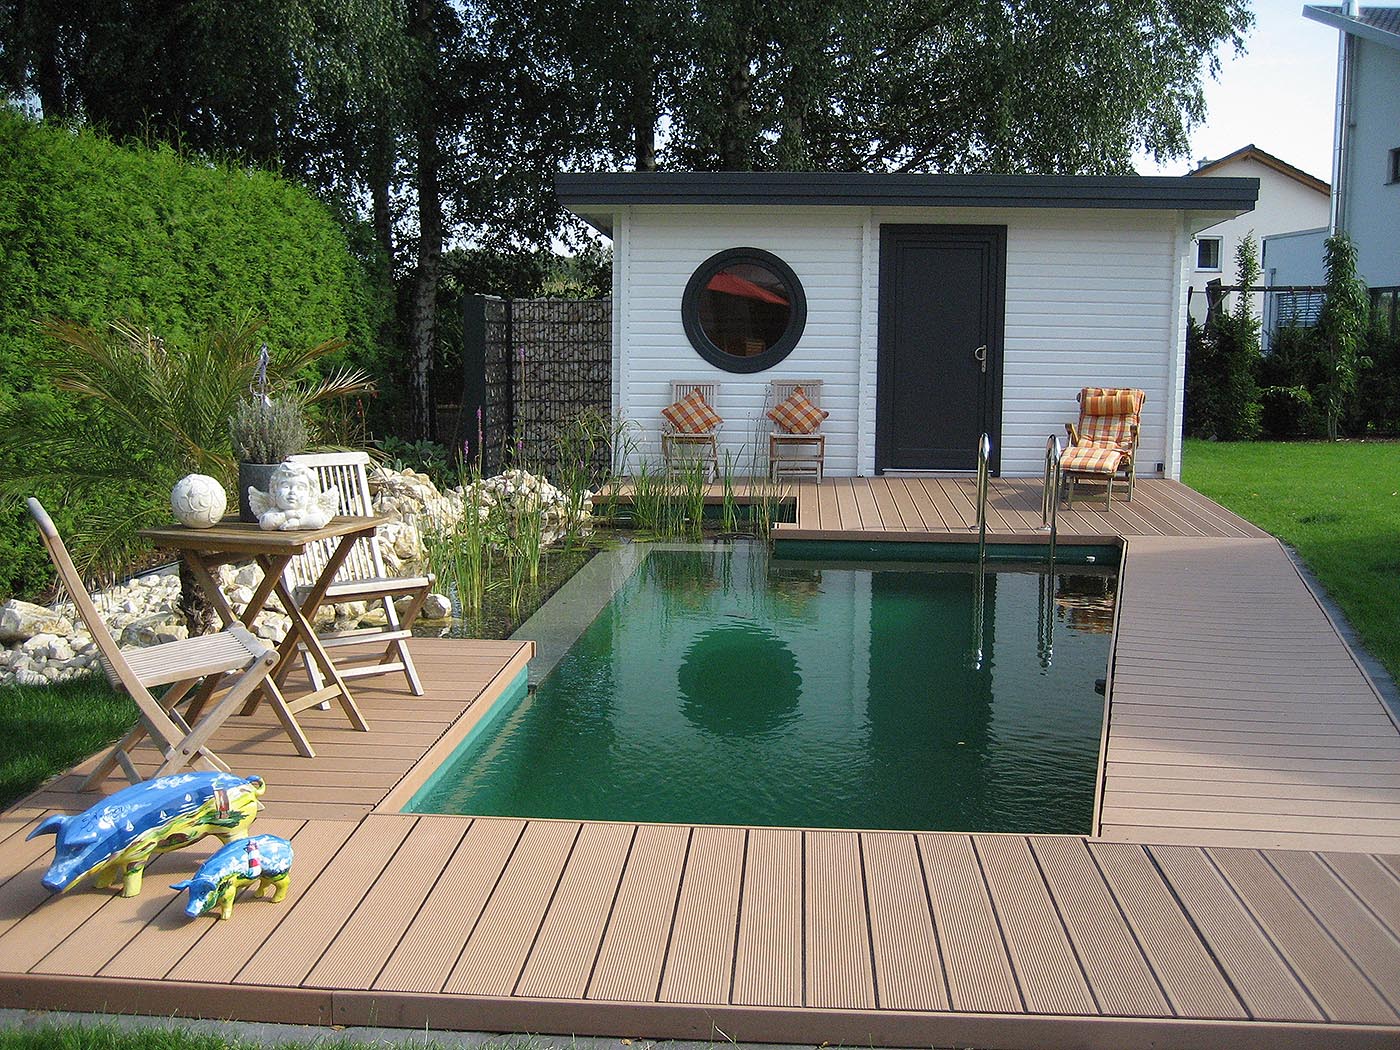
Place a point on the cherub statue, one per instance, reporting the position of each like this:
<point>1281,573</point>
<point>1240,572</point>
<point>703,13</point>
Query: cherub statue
<point>294,500</point>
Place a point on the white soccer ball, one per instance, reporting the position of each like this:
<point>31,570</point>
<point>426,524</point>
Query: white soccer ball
<point>198,501</point>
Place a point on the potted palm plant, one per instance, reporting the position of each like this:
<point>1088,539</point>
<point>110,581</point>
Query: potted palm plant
<point>264,431</point>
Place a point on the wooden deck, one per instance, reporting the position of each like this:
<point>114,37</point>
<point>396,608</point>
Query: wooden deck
<point>944,508</point>
<point>1238,716</point>
<point>1239,724</point>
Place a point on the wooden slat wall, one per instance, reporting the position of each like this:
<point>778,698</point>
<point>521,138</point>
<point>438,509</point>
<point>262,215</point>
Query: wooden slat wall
<point>1238,715</point>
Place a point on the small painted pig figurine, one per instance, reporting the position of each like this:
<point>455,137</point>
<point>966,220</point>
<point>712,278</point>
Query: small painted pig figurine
<point>264,859</point>
<point>115,839</point>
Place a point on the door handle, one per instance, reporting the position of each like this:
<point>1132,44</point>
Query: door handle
<point>980,355</point>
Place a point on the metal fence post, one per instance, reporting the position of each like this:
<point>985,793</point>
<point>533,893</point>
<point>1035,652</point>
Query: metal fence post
<point>474,395</point>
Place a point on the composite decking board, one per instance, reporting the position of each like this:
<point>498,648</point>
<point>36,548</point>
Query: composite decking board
<point>1253,837</point>
<point>917,513</point>
<point>19,819</point>
<point>634,947</point>
<point>92,945</point>
<point>1373,949</point>
<point>23,857</point>
<point>359,950</point>
<point>828,510</point>
<point>293,948</point>
<point>980,976</point>
<point>904,945</point>
<point>1372,884</point>
<point>152,925</point>
<point>838,963</point>
<point>496,951</point>
<point>226,947</point>
<point>888,508</point>
<point>567,945</point>
<point>1274,786</point>
<point>430,947</point>
<point>1046,965</point>
<point>1285,803</point>
<point>700,963</point>
<point>1186,970</point>
<point>1260,976</point>
<point>768,964</point>
<point>1254,730</point>
<point>1332,979</point>
<point>169,936</point>
<point>1118,974</point>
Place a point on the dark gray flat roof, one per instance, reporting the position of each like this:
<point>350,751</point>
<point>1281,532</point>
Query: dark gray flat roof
<point>583,192</point>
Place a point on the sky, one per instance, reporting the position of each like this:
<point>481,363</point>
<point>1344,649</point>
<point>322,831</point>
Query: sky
<point>1280,95</point>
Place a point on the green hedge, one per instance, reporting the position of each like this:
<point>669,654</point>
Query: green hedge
<point>93,231</point>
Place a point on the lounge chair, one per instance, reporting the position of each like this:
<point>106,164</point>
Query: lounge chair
<point>796,446</point>
<point>1103,444</point>
<point>361,579</point>
<point>690,429</point>
<point>232,657</point>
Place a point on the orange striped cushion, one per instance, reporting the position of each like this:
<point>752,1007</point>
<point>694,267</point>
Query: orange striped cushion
<point>692,414</point>
<point>796,414</point>
<point>1091,459</point>
<point>1114,403</point>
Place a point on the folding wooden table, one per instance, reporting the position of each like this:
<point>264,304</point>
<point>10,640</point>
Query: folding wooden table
<point>204,550</point>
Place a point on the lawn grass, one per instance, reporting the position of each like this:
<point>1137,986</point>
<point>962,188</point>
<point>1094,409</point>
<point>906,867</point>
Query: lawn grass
<point>1336,504</point>
<point>46,729</point>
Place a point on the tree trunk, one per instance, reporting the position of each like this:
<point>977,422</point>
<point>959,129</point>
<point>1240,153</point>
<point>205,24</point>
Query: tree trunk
<point>644,119</point>
<point>734,146</point>
<point>423,307</point>
<point>194,605</point>
<point>380,176</point>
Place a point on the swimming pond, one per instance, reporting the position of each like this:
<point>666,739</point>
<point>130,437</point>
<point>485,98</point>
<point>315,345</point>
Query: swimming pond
<point>720,686</point>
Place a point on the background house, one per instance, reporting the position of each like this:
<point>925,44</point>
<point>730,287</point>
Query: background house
<point>1290,201</point>
<point>933,308</point>
<point>1366,157</point>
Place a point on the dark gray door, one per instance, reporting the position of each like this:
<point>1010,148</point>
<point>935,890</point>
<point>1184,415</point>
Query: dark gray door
<point>940,346</point>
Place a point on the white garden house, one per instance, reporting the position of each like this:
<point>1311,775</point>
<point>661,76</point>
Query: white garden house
<point>932,308</point>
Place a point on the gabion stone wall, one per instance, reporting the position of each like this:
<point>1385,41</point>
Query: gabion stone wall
<point>533,367</point>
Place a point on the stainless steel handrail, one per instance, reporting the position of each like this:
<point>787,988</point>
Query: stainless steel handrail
<point>984,456</point>
<point>1050,491</point>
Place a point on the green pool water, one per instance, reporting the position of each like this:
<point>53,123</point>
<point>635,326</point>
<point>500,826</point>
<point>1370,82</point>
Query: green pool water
<point>719,687</point>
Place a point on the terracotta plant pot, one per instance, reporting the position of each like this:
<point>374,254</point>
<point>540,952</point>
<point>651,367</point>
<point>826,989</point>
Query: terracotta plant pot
<point>252,475</point>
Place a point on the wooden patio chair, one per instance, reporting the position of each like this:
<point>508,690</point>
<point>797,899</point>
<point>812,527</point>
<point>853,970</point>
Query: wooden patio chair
<point>361,579</point>
<point>1103,444</point>
<point>793,451</point>
<point>690,437</point>
<point>181,739</point>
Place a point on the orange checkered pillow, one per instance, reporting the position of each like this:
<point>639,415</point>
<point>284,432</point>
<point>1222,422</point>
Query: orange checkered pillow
<point>796,414</point>
<point>692,414</point>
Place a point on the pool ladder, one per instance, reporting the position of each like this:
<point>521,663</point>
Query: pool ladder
<point>1049,506</point>
<point>984,459</point>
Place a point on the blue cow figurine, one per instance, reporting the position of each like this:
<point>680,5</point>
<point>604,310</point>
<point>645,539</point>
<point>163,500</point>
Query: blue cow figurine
<point>117,838</point>
<point>264,859</point>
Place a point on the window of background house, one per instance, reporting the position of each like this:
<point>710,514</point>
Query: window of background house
<point>1393,168</point>
<point>1208,253</point>
<point>744,309</point>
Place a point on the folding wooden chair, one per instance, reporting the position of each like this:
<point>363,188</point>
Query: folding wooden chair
<point>790,453</point>
<point>361,579</point>
<point>180,665</point>
<point>683,449</point>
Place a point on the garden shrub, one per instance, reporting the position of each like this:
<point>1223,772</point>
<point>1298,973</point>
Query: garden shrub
<point>95,232</point>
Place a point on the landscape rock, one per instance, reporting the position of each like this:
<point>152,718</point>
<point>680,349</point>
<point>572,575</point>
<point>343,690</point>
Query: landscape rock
<point>21,620</point>
<point>436,607</point>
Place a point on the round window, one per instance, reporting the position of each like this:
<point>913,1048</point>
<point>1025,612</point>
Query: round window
<point>744,310</point>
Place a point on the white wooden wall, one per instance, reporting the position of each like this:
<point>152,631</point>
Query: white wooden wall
<point>1093,298</point>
